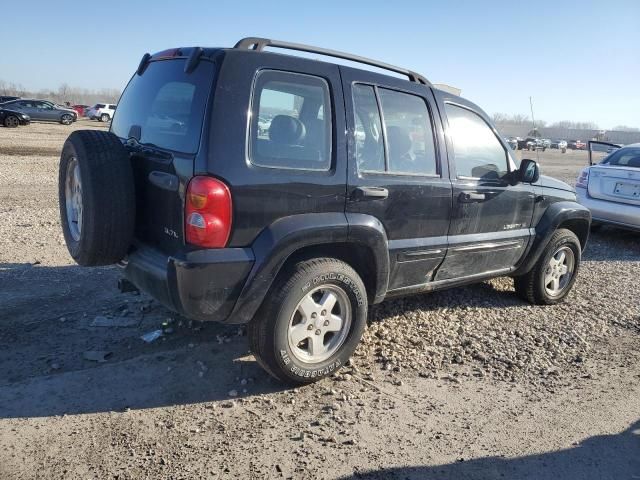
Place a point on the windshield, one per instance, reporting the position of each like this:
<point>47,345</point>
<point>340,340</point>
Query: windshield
<point>167,104</point>
<point>625,157</point>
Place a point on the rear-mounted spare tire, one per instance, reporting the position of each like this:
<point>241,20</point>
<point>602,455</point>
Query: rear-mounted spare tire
<point>97,197</point>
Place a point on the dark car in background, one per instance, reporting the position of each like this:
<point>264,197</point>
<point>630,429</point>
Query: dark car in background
<point>43,111</point>
<point>559,145</point>
<point>576,145</point>
<point>531,143</point>
<point>6,98</point>
<point>11,118</point>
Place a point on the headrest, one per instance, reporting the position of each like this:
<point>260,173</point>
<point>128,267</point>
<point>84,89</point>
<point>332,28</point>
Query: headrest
<point>634,162</point>
<point>399,142</point>
<point>286,130</point>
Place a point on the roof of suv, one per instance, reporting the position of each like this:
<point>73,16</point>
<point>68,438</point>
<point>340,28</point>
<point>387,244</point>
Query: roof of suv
<point>258,44</point>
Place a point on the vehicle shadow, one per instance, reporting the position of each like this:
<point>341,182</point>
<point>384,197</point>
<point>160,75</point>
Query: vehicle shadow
<point>613,244</point>
<point>53,361</point>
<point>606,457</point>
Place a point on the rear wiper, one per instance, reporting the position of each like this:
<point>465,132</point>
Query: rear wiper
<point>147,147</point>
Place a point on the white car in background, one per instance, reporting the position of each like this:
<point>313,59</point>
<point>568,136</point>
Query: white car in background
<point>101,111</point>
<point>611,187</point>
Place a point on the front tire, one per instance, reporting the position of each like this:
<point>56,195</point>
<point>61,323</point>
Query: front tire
<point>311,321</point>
<point>66,119</point>
<point>104,117</point>
<point>552,277</point>
<point>11,121</point>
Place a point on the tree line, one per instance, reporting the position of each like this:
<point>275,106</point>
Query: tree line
<point>520,119</point>
<point>64,93</point>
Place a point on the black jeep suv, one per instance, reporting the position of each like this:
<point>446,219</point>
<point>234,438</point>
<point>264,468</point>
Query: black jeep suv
<point>355,187</point>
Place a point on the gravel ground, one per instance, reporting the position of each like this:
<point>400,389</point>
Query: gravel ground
<point>469,383</point>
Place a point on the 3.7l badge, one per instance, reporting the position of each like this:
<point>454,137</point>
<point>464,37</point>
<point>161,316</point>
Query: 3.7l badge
<point>171,233</point>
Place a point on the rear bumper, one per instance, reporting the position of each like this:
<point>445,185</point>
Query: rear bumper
<point>603,211</point>
<point>202,286</point>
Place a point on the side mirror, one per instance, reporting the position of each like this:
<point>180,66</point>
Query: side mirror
<point>529,171</point>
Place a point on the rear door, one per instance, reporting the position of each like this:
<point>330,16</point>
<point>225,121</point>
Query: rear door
<point>396,173</point>
<point>160,117</point>
<point>491,218</point>
<point>28,107</point>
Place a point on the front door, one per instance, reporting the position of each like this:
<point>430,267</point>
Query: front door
<point>491,217</point>
<point>45,111</point>
<point>396,171</point>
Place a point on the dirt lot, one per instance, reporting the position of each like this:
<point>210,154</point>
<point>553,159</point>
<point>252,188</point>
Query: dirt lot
<point>470,383</point>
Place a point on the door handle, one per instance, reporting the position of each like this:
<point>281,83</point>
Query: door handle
<point>471,197</point>
<point>370,193</point>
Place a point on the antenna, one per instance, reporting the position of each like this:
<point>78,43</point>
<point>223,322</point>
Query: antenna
<point>533,120</point>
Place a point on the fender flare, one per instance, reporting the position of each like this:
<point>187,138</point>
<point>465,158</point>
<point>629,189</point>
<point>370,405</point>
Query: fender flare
<point>556,215</point>
<point>283,238</point>
<point>368,230</point>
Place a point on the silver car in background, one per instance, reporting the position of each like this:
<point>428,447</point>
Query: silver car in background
<point>43,110</point>
<point>610,188</point>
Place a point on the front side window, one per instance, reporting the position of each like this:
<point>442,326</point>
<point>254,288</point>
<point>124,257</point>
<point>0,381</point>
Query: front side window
<point>290,121</point>
<point>405,145</point>
<point>477,151</point>
<point>166,105</point>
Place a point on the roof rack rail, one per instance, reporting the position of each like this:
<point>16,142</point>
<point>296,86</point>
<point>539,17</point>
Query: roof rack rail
<point>258,44</point>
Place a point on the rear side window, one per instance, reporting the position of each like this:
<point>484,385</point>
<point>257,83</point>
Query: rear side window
<point>100,105</point>
<point>405,145</point>
<point>166,104</point>
<point>290,121</point>
<point>477,151</point>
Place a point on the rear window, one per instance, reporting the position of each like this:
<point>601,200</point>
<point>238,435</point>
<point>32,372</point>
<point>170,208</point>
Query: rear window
<point>625,157</point>
<point>166,104</point>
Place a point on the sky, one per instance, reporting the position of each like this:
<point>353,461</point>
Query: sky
<point>578,60</point>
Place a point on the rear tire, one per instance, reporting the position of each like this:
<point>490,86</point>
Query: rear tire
<point>96,197</point>
<point>538,285</point>
<point>311,321</point>
<point>104,117</point>
<point>11,121</point>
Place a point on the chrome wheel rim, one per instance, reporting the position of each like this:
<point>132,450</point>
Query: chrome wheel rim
<point>66,119</point>
<point>73,199</point>
<point>320,324</point>
<point>559,271</point>
<point>12,122</point>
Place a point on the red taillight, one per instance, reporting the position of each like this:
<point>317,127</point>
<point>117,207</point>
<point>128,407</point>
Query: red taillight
<point>207,213</point>
<point>583,179</point>
<point>169,53</point>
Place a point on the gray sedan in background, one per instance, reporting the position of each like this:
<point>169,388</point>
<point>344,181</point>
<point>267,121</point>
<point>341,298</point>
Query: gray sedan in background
<point>43,111</point>
<point>610,186</point>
